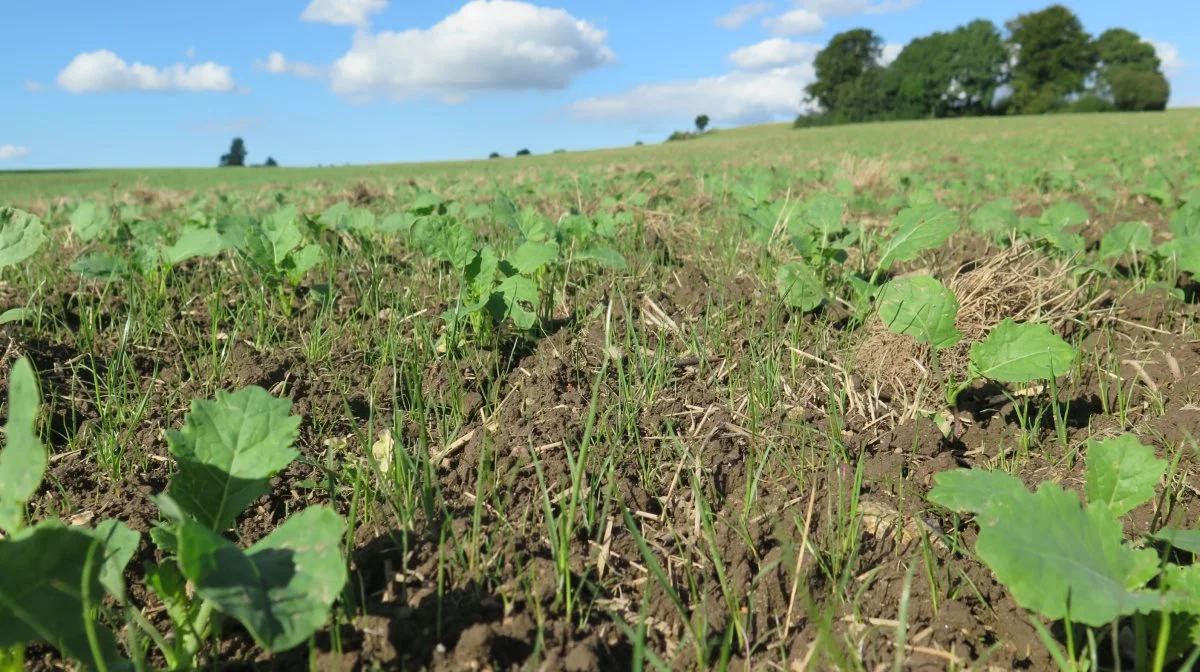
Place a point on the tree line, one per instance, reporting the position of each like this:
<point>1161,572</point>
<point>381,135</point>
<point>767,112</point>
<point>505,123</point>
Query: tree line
<point>1047,63</point>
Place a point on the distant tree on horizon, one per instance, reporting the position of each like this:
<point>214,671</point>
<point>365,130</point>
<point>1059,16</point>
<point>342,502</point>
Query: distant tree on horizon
<point>494,155</point>
<point>523,152</point>
<point>271,162</point>
<point>237,154</point>
<point>701,122</point>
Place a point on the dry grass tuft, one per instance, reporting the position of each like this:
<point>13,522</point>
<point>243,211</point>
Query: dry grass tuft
<point>1016,283</point>
<point>865,173</point>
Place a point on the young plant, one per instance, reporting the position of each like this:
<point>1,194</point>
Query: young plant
<point>275,247</point>
<point>21,235</point>
<point>53,577</point>
<point>1070,561</point>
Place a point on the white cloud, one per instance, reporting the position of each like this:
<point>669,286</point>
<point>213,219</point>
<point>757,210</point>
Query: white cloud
<point>277,64</point>
<point>773,53</point>
<point>103,70</point>
<point>13,152</point>
<point>1168,54</point>
<point>795,22</point>
<point>741,14</point>
<point>32,85</point>
<point>342,12</point>
<point>497,45</point>
<point>735,98</point>
<point>890,52</point>
<point>853,7</point>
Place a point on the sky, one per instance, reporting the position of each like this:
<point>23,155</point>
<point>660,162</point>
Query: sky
<point>141,83</point>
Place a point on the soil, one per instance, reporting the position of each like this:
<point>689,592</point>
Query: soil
<point>522,408</point>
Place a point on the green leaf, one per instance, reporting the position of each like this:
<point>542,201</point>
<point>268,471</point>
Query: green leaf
<point>1056,558</point>
<point>23,460</point>
<point>102,266</point>
<point>400,222</point>
<point>1061,215</point>
<point>1186,221</point>
<point>43,571</point>
<point>90,221</point>
<point>531,256</point>
<point>283,587</point>
<point>604,256</point>
<point>304,260</point>
<point>1121,473</point>
<point>823,212</point>
<point>359,220</point>
<point>1126,238</point>
<point>1020,353</point>
<point>17,315</point>
<point>918,229</point>
<point>21,234</point>
<point>1184,540</point>
<point>922,307</point>
<point>1185,252</point>
<point>481,274</point>
<point>508,301</point>
<point>118,544</point>
<point>227,450</point>
<point>979,491</point>
<point>995,219</point>
<point>193,242</point>
<point>332,217</point>
<point>799,286</point>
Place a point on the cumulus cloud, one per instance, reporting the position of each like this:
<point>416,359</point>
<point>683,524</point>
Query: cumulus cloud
<point>854,7</point>
<point>13,152</point>
<point>342,12</point>
<point>742,14</point>
<point>278,64</point>
<point>734,98</point>
<point>1168,54</point>
<point>773,53</point>
<point>496,45</point>
<point>795,22</point>
<point>890,52</point>
<point>103,70</point>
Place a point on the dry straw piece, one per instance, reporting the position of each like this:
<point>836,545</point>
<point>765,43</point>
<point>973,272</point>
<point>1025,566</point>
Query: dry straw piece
<point>1017,283</point>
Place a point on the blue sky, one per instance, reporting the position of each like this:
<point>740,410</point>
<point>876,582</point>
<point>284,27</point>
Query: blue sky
<point>155,83</point>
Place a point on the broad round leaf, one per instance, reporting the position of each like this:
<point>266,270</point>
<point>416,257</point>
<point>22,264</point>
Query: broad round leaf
<point>1121,473</point>
<point>21,234</point>
<point>1020,353</point>
<point>23,459</point>
<point>282,588</point>
<point>799,286</point>
<point>922,307</point>
<point>227,450</point>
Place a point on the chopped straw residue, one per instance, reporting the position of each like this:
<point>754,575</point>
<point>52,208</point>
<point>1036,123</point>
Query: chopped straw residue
<point>1016,283</point>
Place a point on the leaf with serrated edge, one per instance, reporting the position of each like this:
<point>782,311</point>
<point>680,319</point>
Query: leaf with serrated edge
<point>1121,473</point>
<point>282,588</point>
<point>922,307</point>
<point>23,460</point>
<point>531,256</point>
<point>978,491</point>
<point>1020,353</point>
<point>227,450</point>
<point>918,229</point>
<point>21,235</point>
<point>1056,557</point>
<point>799,286</point>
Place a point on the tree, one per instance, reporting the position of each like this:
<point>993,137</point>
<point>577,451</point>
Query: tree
<point>1128,72</point>
<point>494,155</point>
<point>955,73</point>
<point>271,162</point>
<point>523,152</point>
<point>1137,90</point>
<point>847,56</point>
<point>1055,56</point>
<point>237,154</point>
<point>701,122</point>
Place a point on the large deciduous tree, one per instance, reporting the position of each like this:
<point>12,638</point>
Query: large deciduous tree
<point>1054,57</point>
<point>953,73</point>
<point>841,63</point>
<point>1129,72</point>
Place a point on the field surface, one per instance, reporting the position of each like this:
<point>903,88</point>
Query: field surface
<point>685,406</point>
